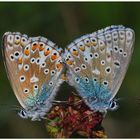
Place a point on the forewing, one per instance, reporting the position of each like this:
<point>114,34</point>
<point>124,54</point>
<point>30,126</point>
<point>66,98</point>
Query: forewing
<point>98,62</point>
<point>33,65</point>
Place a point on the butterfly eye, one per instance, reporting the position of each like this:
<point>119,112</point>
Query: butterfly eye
<point>23,114</point>
<point>22,78</point>
<point>17,39</point>
<point>46,71</point>
<point>26,67</point>
<point>26,90</point>
<point>12,57</point>
<point>41,46</point>
<point>10,39</point>
<point>113,105</point>
<point>32,60</point>
<point>52,72</point>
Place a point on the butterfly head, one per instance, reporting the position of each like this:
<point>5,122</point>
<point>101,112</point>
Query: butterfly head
<point>32,114</point>
<point>103,106</point>
<point>113,105</point>
<point>23,114</point>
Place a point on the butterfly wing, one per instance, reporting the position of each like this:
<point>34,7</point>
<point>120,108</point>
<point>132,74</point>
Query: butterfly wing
<point>34,66</point>
<point>98,62</point>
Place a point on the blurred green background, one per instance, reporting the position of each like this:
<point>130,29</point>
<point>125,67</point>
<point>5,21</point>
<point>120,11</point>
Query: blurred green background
<point>61,23</point>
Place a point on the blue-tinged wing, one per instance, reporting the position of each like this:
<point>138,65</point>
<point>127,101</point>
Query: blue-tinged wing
<point>97,64</point>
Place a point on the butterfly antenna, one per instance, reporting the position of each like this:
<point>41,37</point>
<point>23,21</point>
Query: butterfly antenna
<point>17,108</point>
<point>118,99</point>
<point>59,102</point>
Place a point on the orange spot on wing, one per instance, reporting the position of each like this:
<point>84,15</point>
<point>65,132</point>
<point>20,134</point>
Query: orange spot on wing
<point>94,43</point>
<point>27,52</point>
<point>34,47</point>
<point>46,52</point>
<point>88,45</point>
<point>41,48</point>
<point>75,53</point>
<point>20,60</point>
<point>82,48</point>
<point>53,57</point>
<point>69,62</point>
<point>59,66</point>
<point>64,77</point>
<point>17,41</point>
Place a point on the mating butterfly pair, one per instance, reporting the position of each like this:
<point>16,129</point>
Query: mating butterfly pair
<point>96,64</point>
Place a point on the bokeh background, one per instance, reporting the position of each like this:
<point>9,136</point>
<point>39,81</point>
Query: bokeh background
<point>63,22</point>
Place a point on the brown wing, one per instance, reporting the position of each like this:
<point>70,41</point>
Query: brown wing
<point>31,63</point>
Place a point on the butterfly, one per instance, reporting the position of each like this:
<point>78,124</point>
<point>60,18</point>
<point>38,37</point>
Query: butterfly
<point>97,64</point>
<point>34,67</point>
